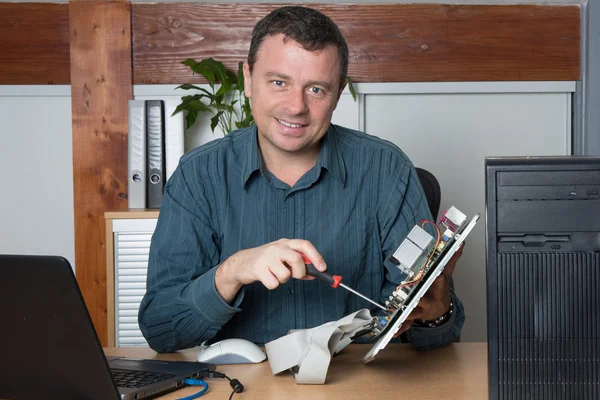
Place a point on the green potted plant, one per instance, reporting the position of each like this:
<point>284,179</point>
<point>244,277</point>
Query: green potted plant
<point>229,107</point>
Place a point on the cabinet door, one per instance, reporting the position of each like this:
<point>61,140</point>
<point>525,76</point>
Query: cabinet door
<point>131,248</point>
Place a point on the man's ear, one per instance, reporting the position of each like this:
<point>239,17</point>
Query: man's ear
<point>247,80</point>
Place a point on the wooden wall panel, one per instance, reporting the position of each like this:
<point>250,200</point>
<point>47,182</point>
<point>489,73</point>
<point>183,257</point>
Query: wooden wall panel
<point>388,42</point>
<point>34,43</point>
<point>101,86</point>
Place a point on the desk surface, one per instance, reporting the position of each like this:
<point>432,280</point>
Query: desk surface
<point>456,372</point>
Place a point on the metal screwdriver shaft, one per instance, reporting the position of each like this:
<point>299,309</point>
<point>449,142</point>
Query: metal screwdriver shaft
<point>334,280</point>
<point>363,296</point>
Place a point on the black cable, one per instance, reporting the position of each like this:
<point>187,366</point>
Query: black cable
<point>234,383</point>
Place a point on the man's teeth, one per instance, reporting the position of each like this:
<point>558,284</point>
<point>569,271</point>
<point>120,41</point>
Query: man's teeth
<point>288,124</point>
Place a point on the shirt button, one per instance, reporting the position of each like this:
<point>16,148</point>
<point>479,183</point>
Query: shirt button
<point>291,291</point>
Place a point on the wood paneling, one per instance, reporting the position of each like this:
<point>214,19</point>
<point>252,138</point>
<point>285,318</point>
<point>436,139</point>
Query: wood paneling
<point>101,86</point>
<point>34,43</point>
<point>387,42</point>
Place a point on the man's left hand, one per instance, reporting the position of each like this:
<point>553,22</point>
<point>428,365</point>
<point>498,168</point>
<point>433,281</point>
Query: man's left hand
<point>436,301</point>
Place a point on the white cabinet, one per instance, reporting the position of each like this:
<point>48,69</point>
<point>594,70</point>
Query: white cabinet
<point>128,244</point>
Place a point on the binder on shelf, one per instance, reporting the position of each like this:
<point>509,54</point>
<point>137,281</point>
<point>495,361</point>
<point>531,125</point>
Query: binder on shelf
<point>136,155</point>
<point>174,140</point>
<point>155,147</point>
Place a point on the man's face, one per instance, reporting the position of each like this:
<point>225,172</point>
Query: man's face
<point>294,93</point>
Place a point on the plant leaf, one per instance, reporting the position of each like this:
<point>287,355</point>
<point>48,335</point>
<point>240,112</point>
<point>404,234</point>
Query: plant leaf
<point>197,105</point>
<point>200,68</point>
<point>220,103</point>
<point>188,86</point>
<point>185,100</point>
<point>351,87</point>
<point>189,62</point>
<point>220,72</point>
<point>240,77</point>
<point>190,118</point>
<point>214,121</point>
<point>179,108</point>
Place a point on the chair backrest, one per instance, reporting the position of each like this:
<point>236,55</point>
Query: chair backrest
<point>432,190</point>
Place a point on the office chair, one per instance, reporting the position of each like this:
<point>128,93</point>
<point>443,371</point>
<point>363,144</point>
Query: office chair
<point>432,190</point>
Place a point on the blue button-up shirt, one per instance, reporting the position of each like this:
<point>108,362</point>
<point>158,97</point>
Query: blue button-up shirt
<point>355,206</point>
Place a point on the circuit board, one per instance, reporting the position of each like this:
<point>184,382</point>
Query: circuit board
<point>421,257</point>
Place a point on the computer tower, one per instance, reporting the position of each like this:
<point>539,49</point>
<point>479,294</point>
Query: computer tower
<point>543,277</point>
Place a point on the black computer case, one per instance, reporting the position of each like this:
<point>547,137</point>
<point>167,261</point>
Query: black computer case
<point>543,277</point>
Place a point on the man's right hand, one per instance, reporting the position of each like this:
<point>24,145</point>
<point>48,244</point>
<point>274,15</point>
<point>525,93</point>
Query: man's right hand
<point>272,264</point>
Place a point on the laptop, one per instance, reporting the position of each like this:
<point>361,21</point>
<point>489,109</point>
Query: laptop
<point>49,346</point>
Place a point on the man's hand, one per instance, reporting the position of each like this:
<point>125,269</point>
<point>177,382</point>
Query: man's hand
<point>436,301</point>
<point>272,264</point>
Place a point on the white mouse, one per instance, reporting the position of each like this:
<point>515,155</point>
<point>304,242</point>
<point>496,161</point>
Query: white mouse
<point>232,351</point>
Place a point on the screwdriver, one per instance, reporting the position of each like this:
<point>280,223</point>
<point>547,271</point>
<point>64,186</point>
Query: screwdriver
<point>333,280</point>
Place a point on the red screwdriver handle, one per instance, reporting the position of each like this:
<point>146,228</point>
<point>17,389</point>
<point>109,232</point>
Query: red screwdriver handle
<point>332,280</point>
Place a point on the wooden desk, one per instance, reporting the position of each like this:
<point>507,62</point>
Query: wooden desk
<point>456,372</point>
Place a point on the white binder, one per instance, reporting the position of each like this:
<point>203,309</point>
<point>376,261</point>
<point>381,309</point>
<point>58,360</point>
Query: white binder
<point>136,154</point>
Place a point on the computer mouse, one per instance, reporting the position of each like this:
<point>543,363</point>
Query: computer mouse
<point>232,351</point>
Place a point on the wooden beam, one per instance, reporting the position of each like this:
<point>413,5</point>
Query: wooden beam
<point>101,85</point>
<point>34,44</point>
<point>387,42</point>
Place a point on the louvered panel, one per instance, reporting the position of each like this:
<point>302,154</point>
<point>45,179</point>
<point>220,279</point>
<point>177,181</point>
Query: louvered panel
<point>130,299</point>
<point>130,327</point>
<point>134,271</point>
<point>124,258</point>
<point>132,278</point>
<point>130,294</point>
<point>131,267</point>
<point>125,313</point>
<point>128,307</point>
<point>143,265</point>
<point>133,285</point>
<point>134,250</point>
<point>133,334</point>
<point>549,326</point>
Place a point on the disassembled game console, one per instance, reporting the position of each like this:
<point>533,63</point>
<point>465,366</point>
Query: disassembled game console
<point>421,257</point>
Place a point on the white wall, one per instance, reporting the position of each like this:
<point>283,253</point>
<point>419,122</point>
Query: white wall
<point>36,160</point>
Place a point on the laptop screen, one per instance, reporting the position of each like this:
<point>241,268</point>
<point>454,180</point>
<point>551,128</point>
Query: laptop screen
<point>49,342</point>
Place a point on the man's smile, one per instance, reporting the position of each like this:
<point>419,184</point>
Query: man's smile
<point>289,124</point>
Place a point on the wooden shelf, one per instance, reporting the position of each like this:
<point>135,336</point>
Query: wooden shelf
<point>132,213</point>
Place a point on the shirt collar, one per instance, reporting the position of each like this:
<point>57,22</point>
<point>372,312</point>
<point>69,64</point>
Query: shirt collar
<point>330,156</point>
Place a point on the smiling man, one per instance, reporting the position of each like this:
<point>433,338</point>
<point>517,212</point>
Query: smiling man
<point>238,211</point>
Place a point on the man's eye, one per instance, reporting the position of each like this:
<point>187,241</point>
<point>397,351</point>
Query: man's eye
<point>316,90</point>
<point>278,83</point>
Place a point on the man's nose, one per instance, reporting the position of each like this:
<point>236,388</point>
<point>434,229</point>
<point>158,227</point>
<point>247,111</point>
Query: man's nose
<point>296,102</point>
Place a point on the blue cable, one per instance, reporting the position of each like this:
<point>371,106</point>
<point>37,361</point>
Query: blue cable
<point>195,382</point>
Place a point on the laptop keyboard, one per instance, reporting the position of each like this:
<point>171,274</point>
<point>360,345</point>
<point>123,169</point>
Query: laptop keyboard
<point>135,379</point>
